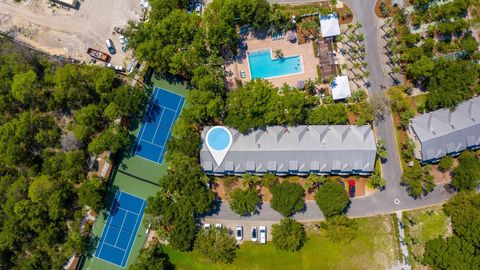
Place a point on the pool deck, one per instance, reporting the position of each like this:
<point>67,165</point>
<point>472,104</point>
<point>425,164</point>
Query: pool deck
<point>289,49</point>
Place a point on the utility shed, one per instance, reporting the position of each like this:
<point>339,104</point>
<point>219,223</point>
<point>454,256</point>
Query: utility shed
<point>300,150</point>
<point>444,132</point>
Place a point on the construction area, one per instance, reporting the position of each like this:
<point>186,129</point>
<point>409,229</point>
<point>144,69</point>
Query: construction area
<point>69,29</point>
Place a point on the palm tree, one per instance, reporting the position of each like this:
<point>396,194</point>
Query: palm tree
<point>310,25</point>
<point>358,25</point>
<point>352,38</point>
<point>310,87</point>
<point>397,69</point>
<point>356,65</point>
<point>279,53</point>
<point>318,81</point>
<point>366,74</point>
<point>388,21</point>
<point>348,13</point>
<point>364,64</point>
<point>391,32</point>
<point>360,37</point>
<point>344,66</point>
<point>340,38</point>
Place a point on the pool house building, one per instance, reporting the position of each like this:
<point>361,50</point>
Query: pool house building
<point>300,150</point>
<point>444,132</point>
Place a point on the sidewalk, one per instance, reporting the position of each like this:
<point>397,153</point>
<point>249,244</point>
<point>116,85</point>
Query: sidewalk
<point>403,245</point>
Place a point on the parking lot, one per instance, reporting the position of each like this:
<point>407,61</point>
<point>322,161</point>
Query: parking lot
<point>247,226</point>
<point>69,32</point>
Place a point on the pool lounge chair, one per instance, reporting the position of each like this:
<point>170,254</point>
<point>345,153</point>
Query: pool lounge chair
<point>243,75</point>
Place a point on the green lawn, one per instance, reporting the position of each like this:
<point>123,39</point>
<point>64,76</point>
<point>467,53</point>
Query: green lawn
<point>420,100</point>
<point>424,225</point>
<point>137,176</point>
<point>374,247</point>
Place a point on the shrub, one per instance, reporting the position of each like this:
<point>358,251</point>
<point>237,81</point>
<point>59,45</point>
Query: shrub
<point>340,229</point>
<point>244,202</point>
<point>216,245</point>
<point>288,198</point>
<point>466,175</point>
<point>332,199</point>
<point>289,235</point>
<point>269,180</point>
<point>445,164</point>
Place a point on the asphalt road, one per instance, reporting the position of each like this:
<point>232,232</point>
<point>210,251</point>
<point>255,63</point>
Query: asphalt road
<point>394,197</point>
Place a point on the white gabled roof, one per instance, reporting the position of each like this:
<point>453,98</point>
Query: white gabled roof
<point>321,148</point>
<point>329,25</point>
<point>443,131</point>
<point>340,88</point>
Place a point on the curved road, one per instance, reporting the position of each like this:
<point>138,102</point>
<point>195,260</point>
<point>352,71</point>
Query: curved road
<point>394,197</point>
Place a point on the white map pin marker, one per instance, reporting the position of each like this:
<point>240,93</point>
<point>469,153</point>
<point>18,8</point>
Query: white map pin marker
<point>219,140</point>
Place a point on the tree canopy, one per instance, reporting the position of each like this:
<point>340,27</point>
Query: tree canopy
<point>244,201</point>
<point>451,83</point>
<point>287,198</point>
<point>418,180</point>
<point>216,245</point>
<point>466,176</point>
<point>460,251</point>
<point>152,258</point>
<point>332,199</point>
<point>289,235</point>
<point>184,194</point>
<point>44,185</point>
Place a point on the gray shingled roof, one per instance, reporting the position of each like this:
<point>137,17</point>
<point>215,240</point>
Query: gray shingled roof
<point>297,150</point>
<point>444,132</point>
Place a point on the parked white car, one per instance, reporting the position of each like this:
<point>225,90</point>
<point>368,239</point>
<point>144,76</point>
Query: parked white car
<point>206,227</point>
<point>254,234</point>
<point>198,8</point>
<point>263,234</point>
<point>239,233</point>
<point>218,226</point>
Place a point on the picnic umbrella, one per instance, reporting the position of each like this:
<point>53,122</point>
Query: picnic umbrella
<point>301,84</point>
<point>292,36</point>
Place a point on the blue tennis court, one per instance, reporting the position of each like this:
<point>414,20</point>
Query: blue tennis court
<point>164,109</point>
<point>121,228</point>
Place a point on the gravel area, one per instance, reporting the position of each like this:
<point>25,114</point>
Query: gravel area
<point>69,32</point>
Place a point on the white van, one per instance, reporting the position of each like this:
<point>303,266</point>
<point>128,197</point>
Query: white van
<point>263,234</point>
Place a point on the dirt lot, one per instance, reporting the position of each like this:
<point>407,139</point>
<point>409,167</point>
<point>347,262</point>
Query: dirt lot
<point>69,32</point>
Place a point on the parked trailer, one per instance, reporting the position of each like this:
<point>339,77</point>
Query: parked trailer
<point>98,55</point>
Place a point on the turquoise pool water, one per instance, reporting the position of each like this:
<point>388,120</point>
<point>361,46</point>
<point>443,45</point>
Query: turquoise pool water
<point>263,66</point>
<point>218,138</point>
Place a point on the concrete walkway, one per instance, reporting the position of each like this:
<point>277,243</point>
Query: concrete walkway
<point>403,245</point>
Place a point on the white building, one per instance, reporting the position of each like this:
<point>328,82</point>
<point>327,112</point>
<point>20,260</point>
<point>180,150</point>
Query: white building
<point>68,3</point>
<point>300,150</point>
<point>340,88</point>
<point>329,25</point>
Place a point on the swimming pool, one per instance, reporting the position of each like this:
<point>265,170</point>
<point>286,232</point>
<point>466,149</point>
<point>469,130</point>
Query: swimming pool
<point>263,66</point>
